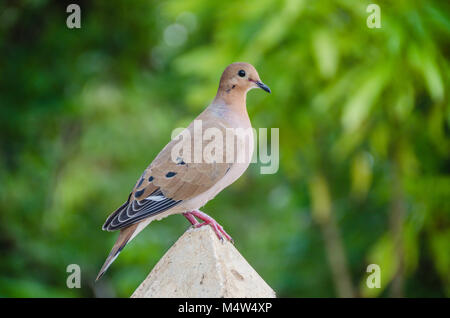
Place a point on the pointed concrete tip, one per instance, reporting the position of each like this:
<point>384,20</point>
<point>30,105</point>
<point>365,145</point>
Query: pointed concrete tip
<point>200,265</point>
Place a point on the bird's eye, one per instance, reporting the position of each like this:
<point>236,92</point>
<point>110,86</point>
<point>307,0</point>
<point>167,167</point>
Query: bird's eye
<point>241,73</point>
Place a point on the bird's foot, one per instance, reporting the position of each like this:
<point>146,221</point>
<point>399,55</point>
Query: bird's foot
<point>191,218</point>
<point>207,220</point>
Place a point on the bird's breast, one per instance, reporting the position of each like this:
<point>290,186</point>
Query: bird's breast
<point>241,152</point>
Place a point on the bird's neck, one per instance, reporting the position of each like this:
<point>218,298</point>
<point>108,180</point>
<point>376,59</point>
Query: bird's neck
<point>233,98</point>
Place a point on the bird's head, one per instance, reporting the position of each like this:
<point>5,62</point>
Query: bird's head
<point>240,77</point>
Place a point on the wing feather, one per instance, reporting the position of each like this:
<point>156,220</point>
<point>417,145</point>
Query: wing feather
<point>167,183</point>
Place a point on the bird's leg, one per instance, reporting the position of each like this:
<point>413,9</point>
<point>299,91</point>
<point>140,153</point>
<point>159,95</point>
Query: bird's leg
<point>218,229</point>
<point>191,218</point>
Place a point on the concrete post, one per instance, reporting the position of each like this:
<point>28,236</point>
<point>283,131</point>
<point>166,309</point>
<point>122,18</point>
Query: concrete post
<point>200,265</point>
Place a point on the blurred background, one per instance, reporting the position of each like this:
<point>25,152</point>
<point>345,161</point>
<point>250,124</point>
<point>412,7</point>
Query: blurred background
<point>364,125</point>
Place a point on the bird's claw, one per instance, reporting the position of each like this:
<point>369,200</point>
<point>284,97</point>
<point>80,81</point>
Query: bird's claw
<point>218,229</point>
<point>207,220</point>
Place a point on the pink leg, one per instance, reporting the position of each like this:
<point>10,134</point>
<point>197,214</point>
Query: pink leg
<point>209,220</point>
<point>191,218</point>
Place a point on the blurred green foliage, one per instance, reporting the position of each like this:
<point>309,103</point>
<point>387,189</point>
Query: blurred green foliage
<point>364,139</point>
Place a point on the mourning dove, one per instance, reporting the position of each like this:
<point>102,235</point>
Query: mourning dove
<point>184,181</point>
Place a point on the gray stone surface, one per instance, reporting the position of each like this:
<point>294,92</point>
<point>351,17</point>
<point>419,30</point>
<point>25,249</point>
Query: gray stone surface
<point>200,265</point>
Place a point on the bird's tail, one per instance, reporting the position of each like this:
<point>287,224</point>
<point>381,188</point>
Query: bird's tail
<point>124,237</point>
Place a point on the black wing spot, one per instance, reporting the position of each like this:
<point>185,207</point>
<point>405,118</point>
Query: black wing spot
<point>170,174</point>
<point>137,194</point>
<point>140,183</point>
<point>181,162</point>
<point>150,179</point>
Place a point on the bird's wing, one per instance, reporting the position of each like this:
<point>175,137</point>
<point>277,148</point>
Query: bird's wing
<point>166,182</point>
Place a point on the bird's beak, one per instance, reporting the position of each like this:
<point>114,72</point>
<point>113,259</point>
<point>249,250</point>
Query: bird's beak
<point>263,86</point>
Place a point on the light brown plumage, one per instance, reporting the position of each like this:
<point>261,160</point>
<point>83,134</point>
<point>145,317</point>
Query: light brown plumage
<point>170,186</point>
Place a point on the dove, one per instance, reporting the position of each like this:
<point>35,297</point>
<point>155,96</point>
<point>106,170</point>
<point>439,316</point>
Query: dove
<point>177,183</point>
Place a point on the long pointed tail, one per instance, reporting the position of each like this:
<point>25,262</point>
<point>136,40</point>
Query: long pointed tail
<point>124,237</point>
